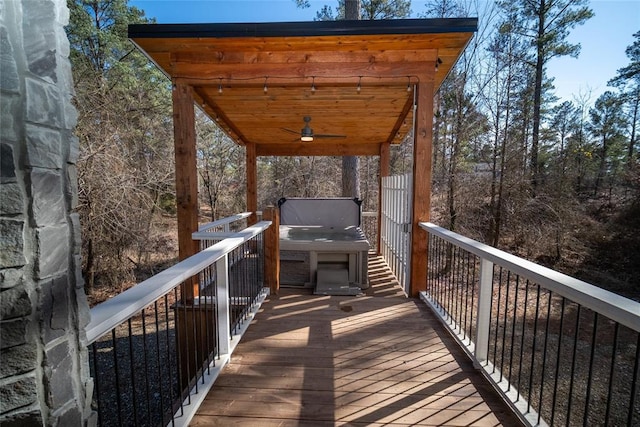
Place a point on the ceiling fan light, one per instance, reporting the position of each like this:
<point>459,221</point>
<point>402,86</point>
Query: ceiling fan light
<point>306,135</point>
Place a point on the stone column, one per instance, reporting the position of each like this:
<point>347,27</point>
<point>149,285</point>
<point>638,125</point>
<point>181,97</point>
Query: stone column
<point>44,375</point>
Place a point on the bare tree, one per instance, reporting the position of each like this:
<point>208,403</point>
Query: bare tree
<point>124,128</point>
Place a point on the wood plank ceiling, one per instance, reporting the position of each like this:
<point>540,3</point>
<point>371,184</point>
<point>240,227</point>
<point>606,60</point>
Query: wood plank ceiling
<point>354,79</point>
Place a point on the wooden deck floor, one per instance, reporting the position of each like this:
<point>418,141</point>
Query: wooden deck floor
<point>377,359</point>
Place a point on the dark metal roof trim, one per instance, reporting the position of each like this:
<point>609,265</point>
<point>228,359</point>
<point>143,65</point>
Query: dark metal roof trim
<point>304,29</point>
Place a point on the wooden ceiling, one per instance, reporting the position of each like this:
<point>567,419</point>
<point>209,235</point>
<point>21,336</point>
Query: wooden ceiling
<point>355,79</point>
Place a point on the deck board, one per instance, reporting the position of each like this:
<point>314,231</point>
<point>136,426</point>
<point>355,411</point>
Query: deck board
<point>376,359</point>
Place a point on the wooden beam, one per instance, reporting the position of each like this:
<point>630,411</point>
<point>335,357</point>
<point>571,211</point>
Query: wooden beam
<point>252,182</point>
<point>401,119</point>
<point>385,156</point>
<point>339,72</point>
<point>216,115</point>
<point>272,249</point>
<point>184,132</point>
<point>318,149</point>
<point>421,198</point>
<point>186,169</point>
<point>292,57</point>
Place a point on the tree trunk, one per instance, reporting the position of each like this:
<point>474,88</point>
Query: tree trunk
<point>352,9</point>
<point>350,164</point>
<point>350,177</point>
<point>601,166</point>
<point>634,120</point>
<point>537,100</point>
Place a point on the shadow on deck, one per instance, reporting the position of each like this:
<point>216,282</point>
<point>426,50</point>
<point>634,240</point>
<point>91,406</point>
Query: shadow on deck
<point>375,359</point>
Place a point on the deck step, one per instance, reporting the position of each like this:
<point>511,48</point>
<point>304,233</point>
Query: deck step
<point>335,281</point>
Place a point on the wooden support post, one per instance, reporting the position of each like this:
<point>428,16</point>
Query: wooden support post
<point>421,198</point>
<point>385,156</point>
<point>252,182</point>
<point>272,249</point>
<point>184,131</point>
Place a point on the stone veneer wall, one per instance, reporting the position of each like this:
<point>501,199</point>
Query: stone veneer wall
<point>44,375</point>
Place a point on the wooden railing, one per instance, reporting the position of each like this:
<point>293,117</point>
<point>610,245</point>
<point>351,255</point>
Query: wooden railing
<point>562,351</point>
<point>153,356</point>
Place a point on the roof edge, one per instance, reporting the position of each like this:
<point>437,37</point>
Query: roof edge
<point>305,28</point>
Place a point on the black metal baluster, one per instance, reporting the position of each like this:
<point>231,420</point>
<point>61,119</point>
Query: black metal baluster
<point>459,284</point>
<point>159,362</point>
<point>590,375</point>
<point>533,348</point>
<point>193,375</point>
<point>491,311</point>
<point>450,274</point>
<point>212,312</point>
<point>504,325</point>
<point>474,288</point>
<point>573,364</point>
<point>233,283</point>
<point>146,365</point>
<point>203,310</point>
<point>557,373</point>
<point>466,296</point>
<point>117,374</point>
<point>247,280</point>
<point>133,375</point>
<point>216,298</point>
<point>178,364</point>
<point>443,277</point>
<point>614,350</point>
<point>455,284</point>
<point>430,255</point>
<point>524,324</point>
<point>544,357</point>
<point>634,383</point>
<point>513,329</point>
<point>96,370</point>
<point>437,273</point>
<point>497,329</point>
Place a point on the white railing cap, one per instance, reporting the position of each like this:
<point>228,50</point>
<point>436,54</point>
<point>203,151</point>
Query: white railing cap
<point>616,307</point>
<point>223,221</point>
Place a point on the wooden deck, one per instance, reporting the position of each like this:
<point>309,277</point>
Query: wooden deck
<point>377,359</point>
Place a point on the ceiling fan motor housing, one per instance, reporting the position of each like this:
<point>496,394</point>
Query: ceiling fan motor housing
<point>306,134</point>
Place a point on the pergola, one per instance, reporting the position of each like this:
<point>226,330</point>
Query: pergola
<point>364,84</point>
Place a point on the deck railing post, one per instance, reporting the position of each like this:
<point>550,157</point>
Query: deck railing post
<point>272,249</point>
<point>224,305</point>
<point>484,311</point>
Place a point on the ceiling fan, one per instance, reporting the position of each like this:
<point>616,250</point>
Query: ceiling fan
<point>306,133</point>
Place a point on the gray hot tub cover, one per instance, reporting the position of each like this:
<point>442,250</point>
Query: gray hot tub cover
<point>340,212</point>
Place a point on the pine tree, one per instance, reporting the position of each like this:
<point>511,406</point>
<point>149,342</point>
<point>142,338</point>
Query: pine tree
<point>546,25</point>
<point>628,81</point>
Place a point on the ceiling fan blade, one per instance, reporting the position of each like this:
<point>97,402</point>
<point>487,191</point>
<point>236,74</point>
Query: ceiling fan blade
<point>328,136</point>
<point>295,132</point>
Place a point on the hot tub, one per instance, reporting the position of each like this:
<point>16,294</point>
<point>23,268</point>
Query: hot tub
<point>330,257</point>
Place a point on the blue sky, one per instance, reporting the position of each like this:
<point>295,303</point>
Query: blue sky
<point>604,37</point>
